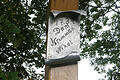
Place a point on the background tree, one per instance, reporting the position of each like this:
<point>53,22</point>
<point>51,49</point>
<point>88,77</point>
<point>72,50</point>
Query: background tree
<point>100,45</point>
<point>22,38</point>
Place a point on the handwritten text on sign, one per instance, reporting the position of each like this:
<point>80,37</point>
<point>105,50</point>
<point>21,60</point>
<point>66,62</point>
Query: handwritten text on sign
<point>63,38</point>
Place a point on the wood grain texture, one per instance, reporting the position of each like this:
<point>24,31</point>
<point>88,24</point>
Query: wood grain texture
<point>63,5</point>
<point>69,72</point>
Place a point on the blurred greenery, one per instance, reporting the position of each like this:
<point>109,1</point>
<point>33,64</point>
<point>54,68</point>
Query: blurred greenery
<point>23,31</point>
<point>22,38</point>
<point>100,36</point>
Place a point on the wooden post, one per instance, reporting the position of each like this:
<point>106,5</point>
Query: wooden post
<point>68,72</point>
<point>64,5</point>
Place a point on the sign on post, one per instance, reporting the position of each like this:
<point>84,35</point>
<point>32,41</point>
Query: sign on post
<point>63,44</point>
<point>63,34</point>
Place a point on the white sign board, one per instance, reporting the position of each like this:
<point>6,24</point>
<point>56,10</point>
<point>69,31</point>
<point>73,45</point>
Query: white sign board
<point>63,37</point>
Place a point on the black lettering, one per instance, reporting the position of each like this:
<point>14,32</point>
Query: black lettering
<point>69,31</point>
<point>64,45</point>
<point>56,30</point>
<point>68,44</point>
<point>62,28</point>
<point>60,48</point>
<point>66,26</point>
<point>57,51</point>
<point>70,41</point>
<point>61,21</point>
<point>67,22</point>
<point>53,41</point>
<point>62,37</point>
<point>57,41</point>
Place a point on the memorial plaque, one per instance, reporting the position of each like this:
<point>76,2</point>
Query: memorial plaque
<point>63,34</point>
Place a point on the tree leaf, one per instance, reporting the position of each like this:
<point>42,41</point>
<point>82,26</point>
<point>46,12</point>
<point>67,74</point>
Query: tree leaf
<point>12,75</point>
<point>97,26</point>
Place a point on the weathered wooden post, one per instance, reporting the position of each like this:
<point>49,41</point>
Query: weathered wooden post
<point>63,40</point>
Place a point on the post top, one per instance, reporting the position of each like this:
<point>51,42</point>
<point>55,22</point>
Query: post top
<point>63,5</point>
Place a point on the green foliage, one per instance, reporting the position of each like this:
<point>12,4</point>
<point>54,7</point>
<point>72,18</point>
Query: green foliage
<point>12,75</point>
<point>97,26</point>
<point>8,75</point>
<point>23,31</point>
<point>2,75</point>
<point>105,50</point>
<point>22,38</point>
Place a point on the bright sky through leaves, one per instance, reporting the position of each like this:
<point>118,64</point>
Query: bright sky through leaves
<point>87,72</point>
